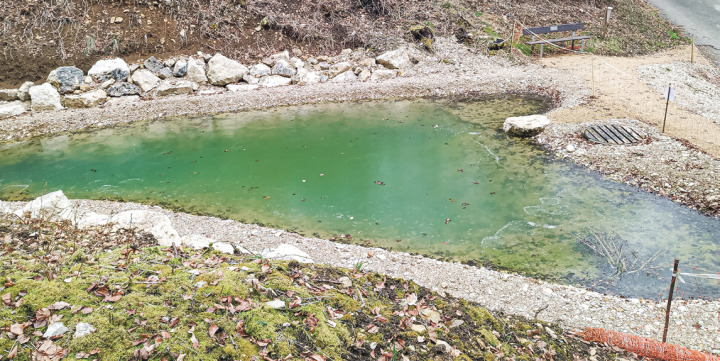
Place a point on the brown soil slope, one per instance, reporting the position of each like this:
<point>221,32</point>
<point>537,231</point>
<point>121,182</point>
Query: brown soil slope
<point>37,36</point>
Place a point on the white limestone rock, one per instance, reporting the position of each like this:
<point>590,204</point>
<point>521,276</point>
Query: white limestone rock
<point>283,68</point>
<point>48,206</point>
<point>8,95</point>
<point>382,74</point>
<point>110,69</point>
<point>339,68</point>
<point>44,97</point>
<point>242,87</point>
<point>395,59</point>
<point>274,80</point>
<point>24,91</point>
<point>55,329</point>
<point>347,76</point>
<point>222,71</point>
<point>259,70</point>
<point>11,109</point>
<point>85,100</point>
<point>145,79</point>
<point>175,87</point>
<point>196,71</point>
<point>287,252</point>
<point>526,126</point>
<point>83,329</point>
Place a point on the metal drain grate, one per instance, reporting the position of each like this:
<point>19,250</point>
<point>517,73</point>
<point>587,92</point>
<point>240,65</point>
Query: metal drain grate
<point>612,134</point>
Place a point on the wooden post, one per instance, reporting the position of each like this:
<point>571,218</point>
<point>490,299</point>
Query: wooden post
<point>607,20</point>
<point>692,50</point>
<point>593,77</point>
<point>670,296</point>
<point>667,103</point>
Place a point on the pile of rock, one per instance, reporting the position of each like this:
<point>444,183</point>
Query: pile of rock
<point>69,87</point>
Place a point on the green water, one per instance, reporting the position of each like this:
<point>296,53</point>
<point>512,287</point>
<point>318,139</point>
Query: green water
<point>431,177</point>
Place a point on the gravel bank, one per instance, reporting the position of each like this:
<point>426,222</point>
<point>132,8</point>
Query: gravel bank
<point>691,176</point>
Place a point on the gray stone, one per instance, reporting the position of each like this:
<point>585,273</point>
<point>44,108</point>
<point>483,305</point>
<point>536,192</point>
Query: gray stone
<point>107,83</point>
<point>396,59</point>
<point>222,71</point>
<point>85,100</point>
<point>196,71</point>
<point>24,91</point>
<point>83,329</point>
<point>66,79</point>
<point>145,79</point>
<point>157,67</point>
<point>170,62</point>
<point>442,346</point>
<point>55,329</point>
<point>44,97</point>
<point>274,80</point>
<point>8,94</point>
<point>339,68</point>
<point>324,66</point>
<point>180,68</point>
<point>175,87</point>
<point>418,328</point>
<point>283,68</point>
<point>121,89</point>
<point>11,109</point>
<point>110,69</point>
<point>133,67</point>
<point>367,62</point>
<point>284,55</point>
<point>122,101</point>
<point>306,77</point>
<point>242,87</point>
<point>382,74</point>
<point>527,126</point>
<point>287,252</point>
<point>259,70</point>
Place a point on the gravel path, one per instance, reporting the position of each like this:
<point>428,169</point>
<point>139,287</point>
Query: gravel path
<point>691,176</point>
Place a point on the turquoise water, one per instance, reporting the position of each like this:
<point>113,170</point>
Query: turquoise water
<point>431,177</point>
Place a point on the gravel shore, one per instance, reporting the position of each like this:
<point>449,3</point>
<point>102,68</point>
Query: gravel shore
<point>661,164</point>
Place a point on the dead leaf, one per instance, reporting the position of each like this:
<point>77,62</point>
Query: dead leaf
<point>411,299</point>
<point>81,355</point>
<point>86,310</point>
<point>58,306</point>
<point>12,353</point>
<point>18,328</point>
<point>6,298</point>
<point>314,357</point>
<point>194,340</point>
<point>212,330</point>
<point>295,302</point>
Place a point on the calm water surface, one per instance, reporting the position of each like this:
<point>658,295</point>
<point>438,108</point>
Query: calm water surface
<point>432,177</point>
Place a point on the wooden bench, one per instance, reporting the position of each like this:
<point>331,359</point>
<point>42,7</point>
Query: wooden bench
<point>554,29</point>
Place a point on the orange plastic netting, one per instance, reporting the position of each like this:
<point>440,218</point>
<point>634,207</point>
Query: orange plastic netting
<point>643,346</point>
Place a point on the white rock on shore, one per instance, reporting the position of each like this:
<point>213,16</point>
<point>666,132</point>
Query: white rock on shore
<point>44,97</point>
<point>222,71</point>
<point>10,109</point>
<point>526,126</point>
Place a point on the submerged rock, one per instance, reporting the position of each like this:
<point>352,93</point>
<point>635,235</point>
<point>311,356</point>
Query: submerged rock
<point>527,126</point>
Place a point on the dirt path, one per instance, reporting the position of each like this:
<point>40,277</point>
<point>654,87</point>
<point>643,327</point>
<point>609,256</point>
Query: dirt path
<point>619,93</point>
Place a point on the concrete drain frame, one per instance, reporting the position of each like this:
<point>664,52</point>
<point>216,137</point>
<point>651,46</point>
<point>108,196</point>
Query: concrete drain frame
<point>612,134</point>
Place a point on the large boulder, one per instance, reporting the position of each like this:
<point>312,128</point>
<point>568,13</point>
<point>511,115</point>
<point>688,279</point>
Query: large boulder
<point>23,92</point>
<point>283,68</point>
<point>116,69</point>
<point>196,71</point>
<point>11,109</point>
<point>168,87</point>
<point>274,80</point>
<point>145,79</point>
<point>44,97</point>
<point>306,77</point>
<point>8,94</point>
<point>121,89</point>
<point>49,206</point>
<point>395,59</point>
<point>222,71</point>
<point>85,100</point>
<point>157,67</point>
<point>527,126</point>
<point>66,79</point>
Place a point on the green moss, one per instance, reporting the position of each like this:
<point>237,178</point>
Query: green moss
<point>489,337</point>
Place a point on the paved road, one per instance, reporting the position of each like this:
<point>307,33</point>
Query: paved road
<point>699,17</point>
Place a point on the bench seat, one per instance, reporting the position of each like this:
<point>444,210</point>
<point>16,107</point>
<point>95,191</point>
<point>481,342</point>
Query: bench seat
<point>583,37</point>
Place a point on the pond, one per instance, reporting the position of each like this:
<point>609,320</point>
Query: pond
<point>432,177</point>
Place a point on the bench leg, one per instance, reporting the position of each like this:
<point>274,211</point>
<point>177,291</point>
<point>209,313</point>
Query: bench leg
<point>572,46</point>
<point>582,46</point>
<point>541,49</point>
